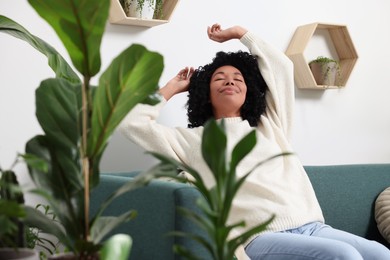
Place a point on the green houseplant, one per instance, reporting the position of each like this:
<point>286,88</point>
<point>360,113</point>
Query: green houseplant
<point>14,231</point>
<point>138,8</point>
<point>216,202</point>
<point>326,71</point>
<point>78,118</point>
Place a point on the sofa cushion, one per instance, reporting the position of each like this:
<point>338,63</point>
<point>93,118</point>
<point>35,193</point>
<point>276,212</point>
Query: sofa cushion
<point>382,213</point>
<point>347,195</point>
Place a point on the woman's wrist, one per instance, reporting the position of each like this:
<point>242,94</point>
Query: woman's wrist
<point>167,91</point>
<point>239,31</point>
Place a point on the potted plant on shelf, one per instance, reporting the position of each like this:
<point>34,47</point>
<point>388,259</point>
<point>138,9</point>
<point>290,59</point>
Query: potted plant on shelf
<point>326,71</point>
<point>78,119</point>
<point>144,9</point>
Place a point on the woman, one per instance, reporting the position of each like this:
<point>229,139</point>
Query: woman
<point>251,91</point>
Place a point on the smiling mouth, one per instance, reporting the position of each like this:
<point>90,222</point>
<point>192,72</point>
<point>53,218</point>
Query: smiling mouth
<point>228,90</point>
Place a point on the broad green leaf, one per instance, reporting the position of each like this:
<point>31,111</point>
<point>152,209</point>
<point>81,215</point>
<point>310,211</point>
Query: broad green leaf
<point>130,79</point>
<point>11,209</point>
<point>58,105</point>
<point>117,247</point>
<point>56,61</point>
<point>9,187</point>
<point>214,148</point>
<point>8,226</point>
<point>62,184</point>
<point>242,148</point>
<point>104,225</point>
<point>201,221</point>
<point>35,218</point>
<point>35,162</point>
<point>235,242</point>
<point>188,254</point>
<point>182,251</point>
<point>80,25</point>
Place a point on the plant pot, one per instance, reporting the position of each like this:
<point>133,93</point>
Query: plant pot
<point>144,11</point>
<point>63,256</point>
<point>325,73</point>
<point>70,256</point>
<point>19,253</point>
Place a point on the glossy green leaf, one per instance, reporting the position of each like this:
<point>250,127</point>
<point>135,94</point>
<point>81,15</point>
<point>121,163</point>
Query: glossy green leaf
<point>56,61</point>
<point>214,147</point>
<point>58,105</point>
<point>104,225</point>
<point>130,79</point>
<point>235,242</point>
<point>118,247</point>
<point>80,25</point>
<point>11,208</point>
<point>200,221</point>
<point>35,162</point>
<point>184,252</point>
<point>242,148</point>
<point>62,185</point>
<point>35,218</point>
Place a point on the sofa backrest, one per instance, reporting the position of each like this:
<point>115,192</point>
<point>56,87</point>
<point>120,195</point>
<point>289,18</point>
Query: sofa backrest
<point>347,195</point>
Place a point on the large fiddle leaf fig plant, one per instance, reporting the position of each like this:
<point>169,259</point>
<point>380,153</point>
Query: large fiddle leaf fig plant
<point>78,118</point>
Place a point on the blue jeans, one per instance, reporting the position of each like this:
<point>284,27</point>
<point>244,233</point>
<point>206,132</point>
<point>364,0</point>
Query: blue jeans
<point>315,241</point>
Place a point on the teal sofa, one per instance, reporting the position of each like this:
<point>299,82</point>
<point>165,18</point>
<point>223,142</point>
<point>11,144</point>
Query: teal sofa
<point>346,193</point>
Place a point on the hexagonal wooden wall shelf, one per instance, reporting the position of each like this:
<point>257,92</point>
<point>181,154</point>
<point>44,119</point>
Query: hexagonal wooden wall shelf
<point>117,15</point>
<point>344,47</point>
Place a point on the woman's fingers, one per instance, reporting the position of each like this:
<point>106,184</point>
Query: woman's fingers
<point>186,73</point>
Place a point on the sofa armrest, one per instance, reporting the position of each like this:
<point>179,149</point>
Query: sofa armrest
<point>156,205</point>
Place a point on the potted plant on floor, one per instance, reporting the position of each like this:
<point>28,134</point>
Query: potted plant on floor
<point>78,118</point>
<point>13,231</point>
<point>326,71</point>
<point>144,9</point>
<point>216,202</point>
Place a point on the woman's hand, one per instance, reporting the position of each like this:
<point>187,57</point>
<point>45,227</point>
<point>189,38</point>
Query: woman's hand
<point>216,33</point>
<point>178,84</point>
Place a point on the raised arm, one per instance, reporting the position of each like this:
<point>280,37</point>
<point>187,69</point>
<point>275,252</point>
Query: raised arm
<point>216,33</point>
<point>275,67</point>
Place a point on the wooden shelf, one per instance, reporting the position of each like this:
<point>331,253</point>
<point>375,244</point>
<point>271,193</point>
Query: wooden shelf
<point>118,16</point>
<point>344,47</point>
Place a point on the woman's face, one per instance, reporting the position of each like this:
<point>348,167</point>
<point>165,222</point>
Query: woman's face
<point>227,92</point>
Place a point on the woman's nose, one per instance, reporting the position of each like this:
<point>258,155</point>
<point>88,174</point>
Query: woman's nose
<point>229,82</point>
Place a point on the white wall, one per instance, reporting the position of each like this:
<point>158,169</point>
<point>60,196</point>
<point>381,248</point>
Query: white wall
<point>350,125</point>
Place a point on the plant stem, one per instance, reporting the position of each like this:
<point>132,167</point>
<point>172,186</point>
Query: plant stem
<point>83,152</point>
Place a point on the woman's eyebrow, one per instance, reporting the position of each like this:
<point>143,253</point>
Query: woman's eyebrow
<point>219,72</point>
<point>223,73</point>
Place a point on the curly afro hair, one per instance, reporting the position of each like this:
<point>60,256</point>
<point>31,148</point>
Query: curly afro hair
<point>199,107</point>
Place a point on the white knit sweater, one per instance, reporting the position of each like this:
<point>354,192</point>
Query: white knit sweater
<point>280,186</point>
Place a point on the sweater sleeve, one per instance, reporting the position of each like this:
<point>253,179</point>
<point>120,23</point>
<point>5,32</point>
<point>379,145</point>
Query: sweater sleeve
<point>141,127</point>
<point>277,71</point>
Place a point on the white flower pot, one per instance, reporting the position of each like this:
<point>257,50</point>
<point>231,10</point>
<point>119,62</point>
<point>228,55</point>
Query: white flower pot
<point>146,11</point>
